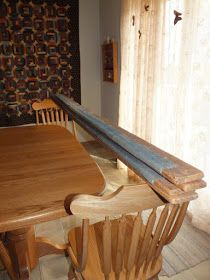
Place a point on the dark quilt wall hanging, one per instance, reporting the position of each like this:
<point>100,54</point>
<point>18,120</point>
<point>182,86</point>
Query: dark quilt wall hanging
<point>39,55</point>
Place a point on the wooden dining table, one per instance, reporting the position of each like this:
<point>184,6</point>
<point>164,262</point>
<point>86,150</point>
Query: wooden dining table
<point>41,167</point>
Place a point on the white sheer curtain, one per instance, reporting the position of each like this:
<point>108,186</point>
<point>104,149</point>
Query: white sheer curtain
<point>165,84</point>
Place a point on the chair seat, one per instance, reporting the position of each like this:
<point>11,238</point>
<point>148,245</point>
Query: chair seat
<point>93,269</point>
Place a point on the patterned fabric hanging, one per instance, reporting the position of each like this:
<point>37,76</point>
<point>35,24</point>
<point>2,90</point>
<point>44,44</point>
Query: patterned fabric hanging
<point>39,55</point>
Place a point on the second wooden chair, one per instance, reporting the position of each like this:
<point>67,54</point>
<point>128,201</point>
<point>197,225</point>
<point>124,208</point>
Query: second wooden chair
<point>49,113</point>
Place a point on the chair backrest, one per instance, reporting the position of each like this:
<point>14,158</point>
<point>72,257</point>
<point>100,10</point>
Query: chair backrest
<point>139,240</point>
<point>49,113</point>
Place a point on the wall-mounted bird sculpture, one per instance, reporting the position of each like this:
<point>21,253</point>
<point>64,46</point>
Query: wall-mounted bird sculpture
<point>177,17</point>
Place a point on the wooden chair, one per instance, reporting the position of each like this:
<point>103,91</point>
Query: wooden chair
<point>49,113</point>
<point>127,247</point>
<point>6,260</point>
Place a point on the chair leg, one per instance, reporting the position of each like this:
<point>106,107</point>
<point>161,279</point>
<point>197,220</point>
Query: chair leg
<point>74,275</point>
<point>71,275</point>
<point>6,260</point>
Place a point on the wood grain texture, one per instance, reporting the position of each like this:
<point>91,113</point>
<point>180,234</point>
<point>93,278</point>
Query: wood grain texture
<point>175,170</point>
<point>172,193</point>
<point>95,262</point>
<point>189,248</point>
<point>166,189</point>
<point>144,159</point>
<point>192,186</point>
<point>181,174</point>
<point>124,246</point>
<point>40,167</point>
<point>126,199</point>
<point>45,104</point>
<point>22,248</point>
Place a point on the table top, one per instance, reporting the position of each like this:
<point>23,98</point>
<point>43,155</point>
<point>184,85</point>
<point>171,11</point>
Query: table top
<point>40,166</point>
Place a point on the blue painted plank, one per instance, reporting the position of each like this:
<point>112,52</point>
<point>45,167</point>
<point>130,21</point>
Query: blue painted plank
<point>138,166</point>
<point>144,154</point>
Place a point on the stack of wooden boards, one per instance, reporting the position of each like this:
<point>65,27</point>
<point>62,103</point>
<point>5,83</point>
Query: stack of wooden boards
<point>173,179</point>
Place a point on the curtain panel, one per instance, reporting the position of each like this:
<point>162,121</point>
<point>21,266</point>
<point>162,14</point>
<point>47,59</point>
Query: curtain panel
<point>165,88</point>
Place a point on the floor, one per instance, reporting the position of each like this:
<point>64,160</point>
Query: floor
<point>187,258</point>
<point>199,272</point>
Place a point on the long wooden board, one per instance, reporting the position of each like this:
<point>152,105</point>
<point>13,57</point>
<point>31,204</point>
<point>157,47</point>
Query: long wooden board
<point>172,178</point>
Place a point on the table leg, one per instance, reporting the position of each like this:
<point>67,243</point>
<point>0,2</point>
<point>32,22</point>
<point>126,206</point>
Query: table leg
<point>22,248</point>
